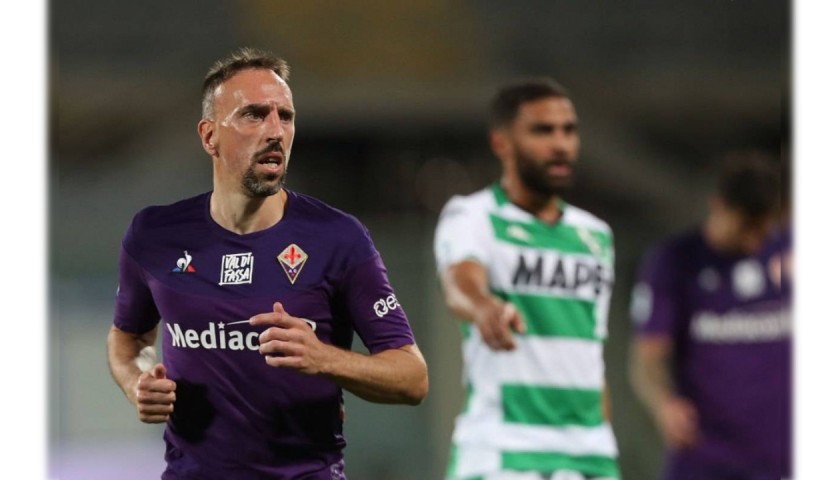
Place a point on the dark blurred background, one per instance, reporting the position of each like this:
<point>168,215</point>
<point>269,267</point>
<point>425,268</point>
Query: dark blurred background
<point>391,100</point>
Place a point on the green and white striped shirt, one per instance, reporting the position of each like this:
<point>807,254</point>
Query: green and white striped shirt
<point>537,408</point>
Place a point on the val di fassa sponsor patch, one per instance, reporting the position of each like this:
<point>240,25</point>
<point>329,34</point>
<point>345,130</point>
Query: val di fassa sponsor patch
<point>237,268</point>
<point>292,259</point>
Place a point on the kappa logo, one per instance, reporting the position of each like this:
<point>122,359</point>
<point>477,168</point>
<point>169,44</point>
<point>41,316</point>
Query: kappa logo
<point>237,268</point>
<point>183,264</point>
<point>589,240</point>
<point>519,233</point>
<point>292,259</point>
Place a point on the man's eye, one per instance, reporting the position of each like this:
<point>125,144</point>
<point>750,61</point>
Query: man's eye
<point>253,115</point>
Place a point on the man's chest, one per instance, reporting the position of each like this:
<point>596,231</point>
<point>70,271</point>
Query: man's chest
<point>722,287</point>
<point>212,282</point>
<point>544,271</point>
<point>734,304</point>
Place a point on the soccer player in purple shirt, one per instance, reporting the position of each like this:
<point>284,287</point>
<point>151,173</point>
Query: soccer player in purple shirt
<point>259,290</point>
<point>712,355</point>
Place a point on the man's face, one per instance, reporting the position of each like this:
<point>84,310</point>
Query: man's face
<point>251,131</point>
<point>543,143</point>
<point>752,232</point>
<point>741,233</point>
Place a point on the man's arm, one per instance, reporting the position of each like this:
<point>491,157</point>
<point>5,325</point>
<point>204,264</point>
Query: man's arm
<point>467,295</point>
<point>131,359</point>
<point>650,375</point>
<point>606,403</point>
<point>392,376</point>
<point>396,375</point>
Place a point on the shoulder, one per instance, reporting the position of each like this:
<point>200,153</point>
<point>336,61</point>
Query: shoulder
<point>480,202</point>
<point>780,239</point>
<point>676,248</point>
<point>688,241</point>
<point>317,215</point>
<point>156,224</point>
<point>578,217</point>
<point>179,214</point>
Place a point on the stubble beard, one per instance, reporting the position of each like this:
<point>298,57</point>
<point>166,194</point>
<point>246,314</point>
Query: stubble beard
<point>263,187</point>
<point>535,178</point>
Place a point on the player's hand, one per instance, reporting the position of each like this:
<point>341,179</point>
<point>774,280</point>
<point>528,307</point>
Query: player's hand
<point>677,420</point>
<point>290,342</point>
<point>496,321</point>
<point>155,395</point>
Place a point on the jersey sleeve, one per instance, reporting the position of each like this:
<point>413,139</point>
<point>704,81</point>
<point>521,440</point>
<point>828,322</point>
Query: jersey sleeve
<point>459,235</point>
<point>370,300</point>
<point>135,310</point>
<point>656,295</point>
<point>603,303</point>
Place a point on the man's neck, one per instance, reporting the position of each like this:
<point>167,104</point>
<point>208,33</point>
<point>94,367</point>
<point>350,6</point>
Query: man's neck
<point>242,214</point>
<point>545,207</point>
<point>718,237</point>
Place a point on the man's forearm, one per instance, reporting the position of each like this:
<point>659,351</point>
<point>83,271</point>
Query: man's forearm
<point>651,377</point>
<point>464,305</point>
<point>465,290</point>
<point>393,376</point>
<point>126,355</point>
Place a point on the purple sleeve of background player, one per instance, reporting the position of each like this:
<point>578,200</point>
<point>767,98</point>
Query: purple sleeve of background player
<point>655,305</point>
<point>374,309</point>
<point>135,310</point>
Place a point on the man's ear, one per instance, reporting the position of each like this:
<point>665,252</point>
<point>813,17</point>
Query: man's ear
<point>500,143</point>
<point>207,134</point>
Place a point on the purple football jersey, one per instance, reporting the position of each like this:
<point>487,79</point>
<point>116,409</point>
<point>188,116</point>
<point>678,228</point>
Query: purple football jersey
<point>730,320</point>
<point>236,417</point>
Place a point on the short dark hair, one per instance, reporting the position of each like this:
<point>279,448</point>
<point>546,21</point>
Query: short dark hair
<point>243,59</point>
<point>750,183</point>
<point>506,102</point>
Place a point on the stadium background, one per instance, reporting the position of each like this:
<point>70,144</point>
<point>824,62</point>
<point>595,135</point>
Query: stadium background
<point>391,102</point>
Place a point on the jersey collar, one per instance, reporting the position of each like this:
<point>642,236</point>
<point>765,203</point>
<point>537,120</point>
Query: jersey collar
<point>502,198</point>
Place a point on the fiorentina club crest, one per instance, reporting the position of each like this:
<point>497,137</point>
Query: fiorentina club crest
<point>292,260</point>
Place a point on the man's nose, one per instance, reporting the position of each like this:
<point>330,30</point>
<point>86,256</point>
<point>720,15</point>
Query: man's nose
<point>563,142</point>
<point>273,126</point>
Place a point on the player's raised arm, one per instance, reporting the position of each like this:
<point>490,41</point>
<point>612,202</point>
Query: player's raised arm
<point>468,297</point>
